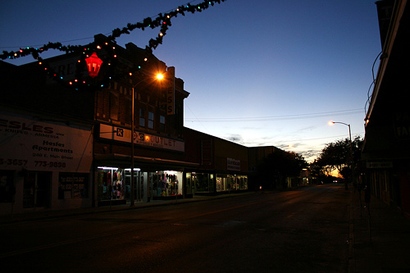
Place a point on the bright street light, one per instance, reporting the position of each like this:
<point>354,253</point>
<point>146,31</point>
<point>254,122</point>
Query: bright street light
<point>159,76</point>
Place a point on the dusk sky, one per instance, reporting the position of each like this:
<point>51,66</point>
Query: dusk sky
<point>259,72</point>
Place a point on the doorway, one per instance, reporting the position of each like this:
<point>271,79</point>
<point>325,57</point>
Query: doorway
<point>37,188</point>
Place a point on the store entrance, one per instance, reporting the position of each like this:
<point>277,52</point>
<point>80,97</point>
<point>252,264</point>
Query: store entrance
<point>36,193</point>
<point>114,185</point>
<point>138,186</point>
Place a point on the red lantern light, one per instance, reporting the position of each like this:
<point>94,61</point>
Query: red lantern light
<point>93,65</point>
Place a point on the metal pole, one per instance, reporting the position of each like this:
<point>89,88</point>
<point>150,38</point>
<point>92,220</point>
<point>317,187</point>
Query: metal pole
<point>132,147</point>
<point>351,152</point>
<point>132,187</point>
<point>350,157</point>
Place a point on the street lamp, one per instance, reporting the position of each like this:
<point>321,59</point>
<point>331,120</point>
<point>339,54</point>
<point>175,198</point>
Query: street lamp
<point>158,77</point>
<point>351,148</point>
<point>93,65</point>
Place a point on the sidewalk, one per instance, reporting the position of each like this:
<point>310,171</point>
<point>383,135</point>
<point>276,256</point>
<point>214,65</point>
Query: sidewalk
<point>48,213</point>
<point>379,238</point>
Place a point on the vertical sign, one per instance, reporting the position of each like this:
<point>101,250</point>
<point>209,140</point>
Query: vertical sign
<point>171,91</point>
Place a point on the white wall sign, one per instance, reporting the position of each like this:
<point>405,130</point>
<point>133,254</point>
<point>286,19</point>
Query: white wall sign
<point>41,146</point>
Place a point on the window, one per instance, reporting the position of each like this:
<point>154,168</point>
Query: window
<point>73,185</point>
<point>151,120</point>
<point>162,123</point>
<point>142,117</point>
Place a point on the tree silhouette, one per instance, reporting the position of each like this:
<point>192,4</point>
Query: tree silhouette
<point>337,156</point>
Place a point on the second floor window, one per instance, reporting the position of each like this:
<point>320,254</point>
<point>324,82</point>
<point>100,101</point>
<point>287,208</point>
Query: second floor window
<point>142,117</point>
<point>162,123</point>
<point>151,120</point>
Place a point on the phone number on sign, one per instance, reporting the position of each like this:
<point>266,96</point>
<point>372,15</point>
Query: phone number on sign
<point>13,162</point>
<point>50,164</point>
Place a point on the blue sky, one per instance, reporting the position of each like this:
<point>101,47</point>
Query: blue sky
<point>260,72</point>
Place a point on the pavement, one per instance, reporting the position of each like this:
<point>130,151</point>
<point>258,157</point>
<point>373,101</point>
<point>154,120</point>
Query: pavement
<point>379,235</point>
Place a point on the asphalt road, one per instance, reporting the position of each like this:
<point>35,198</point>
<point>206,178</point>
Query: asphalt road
<point>303,230</point>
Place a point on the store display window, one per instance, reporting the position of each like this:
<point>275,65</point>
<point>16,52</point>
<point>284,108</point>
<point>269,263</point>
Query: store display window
<point>166,183</point>
<point>203,182</point>
<point>231,182</point>
<point>110,183</point>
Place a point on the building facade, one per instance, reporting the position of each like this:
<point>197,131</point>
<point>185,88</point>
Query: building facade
<point>386,151</point>
<point>66,139</point>
<point>222,165</point>
<point>45,146</point>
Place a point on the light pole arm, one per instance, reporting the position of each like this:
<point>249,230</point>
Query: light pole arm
<point>346,124</point>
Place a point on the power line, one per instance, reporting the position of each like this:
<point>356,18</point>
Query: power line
<point>85,38</point>
<point>283,117</point>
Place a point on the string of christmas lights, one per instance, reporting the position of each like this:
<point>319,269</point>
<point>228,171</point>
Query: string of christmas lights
<point>162,20</point>
<point>106,49</point>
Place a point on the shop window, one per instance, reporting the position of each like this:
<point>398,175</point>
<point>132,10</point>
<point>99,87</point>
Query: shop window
<point>243,182</point>
<point>221,183</point>
<point>202,182</point>
<point>166,183</point>
<point>73,185</point>
<point>111,184</point>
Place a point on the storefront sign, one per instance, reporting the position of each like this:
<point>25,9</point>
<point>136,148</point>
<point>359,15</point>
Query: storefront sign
<point>41,146</point>
<point>233,164</point>
<point>124,135</point>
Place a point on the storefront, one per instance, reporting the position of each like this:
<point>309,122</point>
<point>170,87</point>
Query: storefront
<point>231,182</point>
<point>158,166</point>
<point>223,165</point>
<point>200,182</point>
<point>43,164</point>
<point>209,183</point>
<point>114,185</point>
